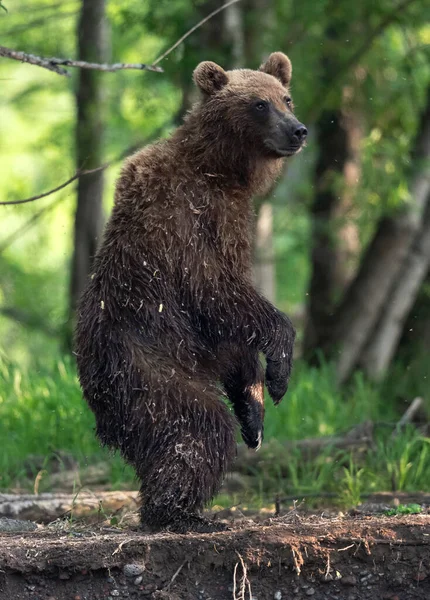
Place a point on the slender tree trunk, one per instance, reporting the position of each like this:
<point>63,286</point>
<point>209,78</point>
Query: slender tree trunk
<point>333,152</point>
<point>402,296</point>
<point>234,34</point>
<point>264,255</point>
<point>348,247</point>
<point>92,46</point>
<point>369,295</point>
<point>258,25</point>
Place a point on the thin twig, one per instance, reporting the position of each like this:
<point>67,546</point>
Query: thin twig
<point>60,187</point>
<point>81,172</point>
<point>56,64</point>
<point>120,546</point>
<point>192,30</point>
<point>408,416</point>
<point>9,240</point>
<point>81,64</point>
<point>175,574</point>
<point>244,583</point>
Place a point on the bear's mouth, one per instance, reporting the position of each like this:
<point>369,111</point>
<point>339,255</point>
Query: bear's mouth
<point>284,151</point>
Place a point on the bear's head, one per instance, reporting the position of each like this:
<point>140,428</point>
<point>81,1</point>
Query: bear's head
<point>253,108</point>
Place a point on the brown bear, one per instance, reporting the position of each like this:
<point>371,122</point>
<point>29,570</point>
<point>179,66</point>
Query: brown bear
<point>170,321</point>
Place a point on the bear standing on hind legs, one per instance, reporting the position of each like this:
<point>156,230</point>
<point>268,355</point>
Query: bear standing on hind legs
<point>170,320</point>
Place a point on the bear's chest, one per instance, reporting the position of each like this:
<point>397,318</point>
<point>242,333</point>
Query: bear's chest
<point>224,236</point>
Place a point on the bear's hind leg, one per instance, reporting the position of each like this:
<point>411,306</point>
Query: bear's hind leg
<point>191,448</point>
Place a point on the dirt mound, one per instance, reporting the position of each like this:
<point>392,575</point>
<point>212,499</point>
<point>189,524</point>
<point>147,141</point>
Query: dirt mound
<point>349,558</point>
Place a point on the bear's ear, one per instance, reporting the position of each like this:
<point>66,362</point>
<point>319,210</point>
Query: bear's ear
<point>209,77</point>
<point>278,65</point>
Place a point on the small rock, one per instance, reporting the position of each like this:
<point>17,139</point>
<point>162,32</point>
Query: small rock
<point>114,593</point>
<point>17,526</point>
<point>110,580</point>
<point>133,570</point>
<point>278,595</point>
<point>310,592</point>
<point>349,580</point>
<point>138,580</point>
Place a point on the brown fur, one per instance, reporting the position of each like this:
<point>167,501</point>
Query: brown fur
<point>170,320</point>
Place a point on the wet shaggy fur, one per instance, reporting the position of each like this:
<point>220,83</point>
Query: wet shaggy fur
<point>170,322</point>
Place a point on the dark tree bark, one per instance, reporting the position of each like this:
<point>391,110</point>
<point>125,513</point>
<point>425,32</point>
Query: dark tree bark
<point>333,153</point>
<point>356,321</point>
<point>416,332</point>
<point>92,46</point>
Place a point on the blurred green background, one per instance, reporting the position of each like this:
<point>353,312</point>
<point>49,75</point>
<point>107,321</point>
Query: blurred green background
<point>342,243</point>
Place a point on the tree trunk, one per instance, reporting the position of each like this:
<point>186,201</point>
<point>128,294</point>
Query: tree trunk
<point>416,332</point>
<point>264,256</point>
<point>92,47</point>
<point>234,34</point>
<point>348,246</point>
<point>402,296</point>
<point>369,294</point>
<point>333,151</point>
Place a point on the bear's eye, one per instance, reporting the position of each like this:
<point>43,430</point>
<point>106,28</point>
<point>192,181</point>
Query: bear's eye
<point>261,106</point>
<point>288,101</point>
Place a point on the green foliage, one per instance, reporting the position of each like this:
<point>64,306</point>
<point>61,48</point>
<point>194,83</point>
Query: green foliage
<point>42,414</point>
<point>404,509</point>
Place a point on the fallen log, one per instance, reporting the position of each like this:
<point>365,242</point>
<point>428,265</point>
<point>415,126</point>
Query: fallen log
<point>359,439</point>
<point>44,508</point>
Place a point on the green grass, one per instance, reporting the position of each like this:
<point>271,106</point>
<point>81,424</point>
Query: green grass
<point>42,413</point>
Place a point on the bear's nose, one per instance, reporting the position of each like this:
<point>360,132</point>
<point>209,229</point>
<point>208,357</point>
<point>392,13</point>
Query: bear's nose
<point>300,133</point>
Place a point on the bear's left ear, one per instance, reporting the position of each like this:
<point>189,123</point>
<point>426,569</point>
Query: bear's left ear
<point>278,65</point>
<point>209,77</point>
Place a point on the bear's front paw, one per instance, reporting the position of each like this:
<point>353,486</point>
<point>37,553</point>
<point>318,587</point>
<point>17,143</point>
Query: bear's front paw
<point>277,377</point>
<point>252,436</point>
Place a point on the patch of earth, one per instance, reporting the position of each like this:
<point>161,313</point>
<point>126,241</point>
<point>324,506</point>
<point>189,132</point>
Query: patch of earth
<point>292,557</point>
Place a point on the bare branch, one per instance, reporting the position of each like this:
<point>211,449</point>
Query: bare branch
<point>10,239</point>
<point>60,187</point>
<point>56,64</point>
<point>32,60</point>
<point>192,30</point>
<point>130,150</point>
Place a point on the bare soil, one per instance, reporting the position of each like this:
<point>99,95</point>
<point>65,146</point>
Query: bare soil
<point>291,557</point>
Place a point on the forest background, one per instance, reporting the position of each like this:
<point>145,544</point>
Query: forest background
<point>342,244</point>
